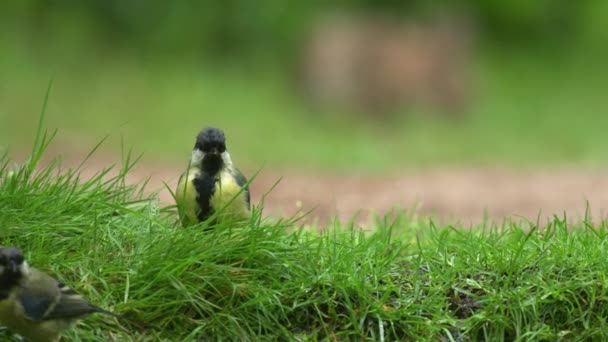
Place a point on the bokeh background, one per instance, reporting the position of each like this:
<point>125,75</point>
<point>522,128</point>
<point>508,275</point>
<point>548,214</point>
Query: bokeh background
<point>455,107</point>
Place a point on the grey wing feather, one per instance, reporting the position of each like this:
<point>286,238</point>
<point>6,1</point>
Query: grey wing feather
<point>35,308</point>
<point>242,181</point>
<point>38,295</point>
<point>57,302</point>
<point>70,305</point>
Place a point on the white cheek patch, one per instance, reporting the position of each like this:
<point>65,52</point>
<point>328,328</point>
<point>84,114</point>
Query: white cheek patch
<point>226,158</point>
<point>197,157</point>
<point>24,268</point>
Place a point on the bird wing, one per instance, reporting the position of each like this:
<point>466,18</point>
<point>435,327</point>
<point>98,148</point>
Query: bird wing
<point>38,295</point>
<point>45,298</point>
<point>70,305</point>
<point>242,182</point>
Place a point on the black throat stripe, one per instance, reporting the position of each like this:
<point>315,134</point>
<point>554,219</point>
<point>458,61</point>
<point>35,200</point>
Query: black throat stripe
<point>205,187</point>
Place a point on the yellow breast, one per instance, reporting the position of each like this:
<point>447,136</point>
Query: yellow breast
<point>185,197</point>
<point>229,197</point>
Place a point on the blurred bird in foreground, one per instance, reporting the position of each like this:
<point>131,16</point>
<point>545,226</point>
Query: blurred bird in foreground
<point>211,183</point>
<point>35,305</point>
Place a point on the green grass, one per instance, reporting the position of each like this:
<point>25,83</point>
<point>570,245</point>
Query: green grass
<point>529,109</point>
<point>267,279</point>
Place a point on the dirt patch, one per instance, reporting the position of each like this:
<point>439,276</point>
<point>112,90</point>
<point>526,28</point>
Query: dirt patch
<point>465,196</point>
<point>453,195</point>
<point>457,195</point>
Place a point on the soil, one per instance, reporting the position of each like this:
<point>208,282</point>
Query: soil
<point>464,196</point>
<point>451,195</point>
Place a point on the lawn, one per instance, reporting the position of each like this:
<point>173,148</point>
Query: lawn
<point>269,279</point>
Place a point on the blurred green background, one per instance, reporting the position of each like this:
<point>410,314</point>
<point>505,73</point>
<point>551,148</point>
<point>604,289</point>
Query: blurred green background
<point>155,73</point>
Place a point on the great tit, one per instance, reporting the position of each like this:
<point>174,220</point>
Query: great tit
<point>211,182</point>
<point>35,305</point>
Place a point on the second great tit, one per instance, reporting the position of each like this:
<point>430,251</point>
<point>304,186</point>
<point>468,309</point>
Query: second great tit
<point>34,304</point>
<point>212,182</point>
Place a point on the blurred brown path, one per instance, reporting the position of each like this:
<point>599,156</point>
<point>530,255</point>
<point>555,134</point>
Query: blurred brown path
<point>453,195</point>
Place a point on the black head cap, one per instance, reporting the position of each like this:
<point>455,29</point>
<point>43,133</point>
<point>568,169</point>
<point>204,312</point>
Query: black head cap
<point>211,140</point>
<point>11,258</point>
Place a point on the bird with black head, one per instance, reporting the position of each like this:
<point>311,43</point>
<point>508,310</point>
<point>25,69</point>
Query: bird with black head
<point>34,304</point>
<point>211,182</point>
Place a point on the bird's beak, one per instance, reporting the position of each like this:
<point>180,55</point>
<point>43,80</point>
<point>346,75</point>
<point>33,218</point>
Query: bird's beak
<point>214,151</point>
<point>14,266</point>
